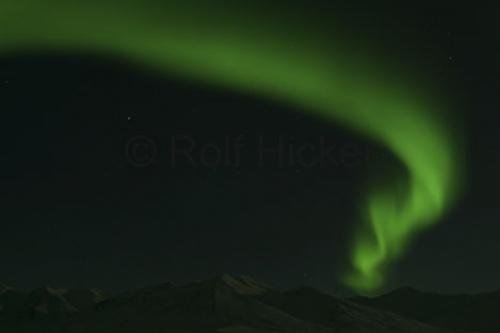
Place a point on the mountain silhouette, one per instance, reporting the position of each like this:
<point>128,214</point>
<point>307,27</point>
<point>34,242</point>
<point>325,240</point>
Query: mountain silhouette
<point>43,309</point>
<point>225,304</point>
<point>474,313</point>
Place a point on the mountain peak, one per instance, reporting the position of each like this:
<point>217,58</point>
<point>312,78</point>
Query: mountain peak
<point>58,292</point>
<point>243,285</point>
<point>49,300</point>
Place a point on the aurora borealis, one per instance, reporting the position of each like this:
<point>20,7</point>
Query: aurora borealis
<point>287,61</point>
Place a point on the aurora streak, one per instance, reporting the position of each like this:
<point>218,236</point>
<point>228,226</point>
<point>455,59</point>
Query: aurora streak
<point>281,60</point>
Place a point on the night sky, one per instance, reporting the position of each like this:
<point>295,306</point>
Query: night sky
<point>97,192</point>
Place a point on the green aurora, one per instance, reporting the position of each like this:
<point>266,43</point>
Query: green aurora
<point>280,57</point>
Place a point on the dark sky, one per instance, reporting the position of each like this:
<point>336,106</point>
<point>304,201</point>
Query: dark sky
<point>83,205</point>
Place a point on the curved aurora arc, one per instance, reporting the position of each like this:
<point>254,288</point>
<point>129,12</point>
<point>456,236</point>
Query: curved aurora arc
<point>282,61</point>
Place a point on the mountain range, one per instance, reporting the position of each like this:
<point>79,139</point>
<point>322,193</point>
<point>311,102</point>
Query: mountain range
<point>237,304</point>
<point>472,313</point>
